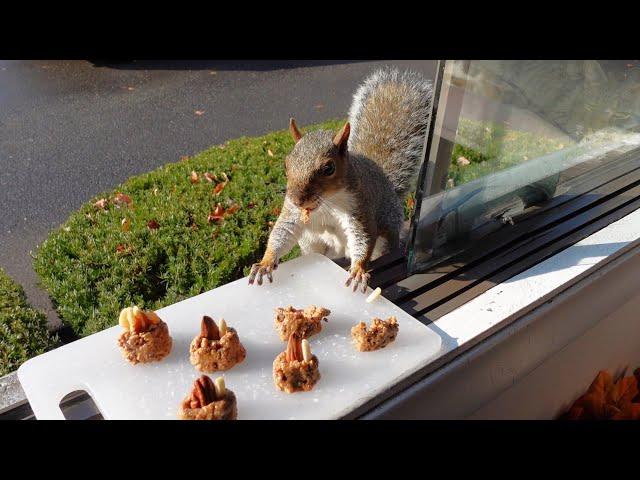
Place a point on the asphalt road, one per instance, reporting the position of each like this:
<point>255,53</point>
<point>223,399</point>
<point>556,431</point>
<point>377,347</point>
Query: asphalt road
<point>72,129</point>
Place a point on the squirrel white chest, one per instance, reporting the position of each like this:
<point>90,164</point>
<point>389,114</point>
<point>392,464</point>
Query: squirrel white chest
<point>325,231</point>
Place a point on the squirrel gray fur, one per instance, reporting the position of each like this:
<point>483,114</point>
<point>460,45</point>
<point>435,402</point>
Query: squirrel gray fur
<point>345,190</point>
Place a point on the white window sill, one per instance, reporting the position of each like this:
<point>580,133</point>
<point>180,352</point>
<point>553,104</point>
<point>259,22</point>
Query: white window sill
<point>470,325</point>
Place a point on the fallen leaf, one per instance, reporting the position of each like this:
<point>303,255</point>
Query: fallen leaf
<point>194,177</point>
<point>601,383</point>
<point>217,214</point>
<point>623,391</point>
<point>155,191</point>
<point>270,223</point>
<point>232,209</point>
<point>219,210</point>
<point>213,72</point>
<point>630,412</point>
<point>210,178</point>
<point>153,225</point>
<point>411,203</point>
<point>218,188</point>
<point>126,224</point>
<point>184,158</point>
<point>120,248</point>
<point>269,152</point>
<point>122,199</point>
<point>67,229</point>
<point>199,112</point>
<point>131,89</point>
<point>101,204</point>
<point>251,205</point>
<point>224,176</point>
<point>276,211</point>
<point>319,106</point>
<point>463,161</point>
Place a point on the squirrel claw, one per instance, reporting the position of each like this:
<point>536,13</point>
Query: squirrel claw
<point>359,277</point>
<point>258,270</point>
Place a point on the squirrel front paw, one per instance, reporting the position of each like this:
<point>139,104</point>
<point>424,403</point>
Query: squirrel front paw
<point>359,276</point>
<point>264,267</point>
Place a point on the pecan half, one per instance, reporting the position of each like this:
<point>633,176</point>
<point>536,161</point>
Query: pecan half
<point>294,348</point>
<point>209,329</point>
<point>203,393</point>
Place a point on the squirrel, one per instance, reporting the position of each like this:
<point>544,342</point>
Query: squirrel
<point>345,190</point>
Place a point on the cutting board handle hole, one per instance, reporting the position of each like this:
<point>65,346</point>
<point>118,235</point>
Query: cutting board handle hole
<point>78,405</point>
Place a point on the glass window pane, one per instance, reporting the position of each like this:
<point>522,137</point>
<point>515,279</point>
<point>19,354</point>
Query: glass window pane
<point>510,136</point>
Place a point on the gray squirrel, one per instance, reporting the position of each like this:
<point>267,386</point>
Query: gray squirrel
<point>345,190</point>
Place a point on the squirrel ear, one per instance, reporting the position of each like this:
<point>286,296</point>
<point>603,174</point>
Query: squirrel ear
<point>293,128</point>
<point>340,140</point>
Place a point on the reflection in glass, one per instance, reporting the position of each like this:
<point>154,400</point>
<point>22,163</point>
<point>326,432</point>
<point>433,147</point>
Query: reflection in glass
<point>512,135</point>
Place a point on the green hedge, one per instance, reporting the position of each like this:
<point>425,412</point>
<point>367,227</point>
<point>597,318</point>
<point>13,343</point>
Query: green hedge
<point>23,330</point>
<point>91,267</point>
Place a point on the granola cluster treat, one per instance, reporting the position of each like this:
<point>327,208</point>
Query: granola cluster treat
<point>209,401</point>
<point>379,335</point>
<point>216,348</point>
<point>296,369</point>
<point>146,337</point>
<point>304,323</point>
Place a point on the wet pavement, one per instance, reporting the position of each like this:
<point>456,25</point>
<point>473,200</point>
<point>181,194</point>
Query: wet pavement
<point>72,129</point>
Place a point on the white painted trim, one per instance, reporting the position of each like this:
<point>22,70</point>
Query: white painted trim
<point>540,286</point>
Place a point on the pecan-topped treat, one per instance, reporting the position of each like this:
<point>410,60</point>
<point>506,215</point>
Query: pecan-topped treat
<point>146,337</point>
<point>305,322</point>
<point>209,400</point>
<point>216,347</point>
<point>379,335</point>
<point>296,369</point>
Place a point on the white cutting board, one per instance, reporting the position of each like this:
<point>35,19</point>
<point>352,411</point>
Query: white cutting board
<point>154,391</point>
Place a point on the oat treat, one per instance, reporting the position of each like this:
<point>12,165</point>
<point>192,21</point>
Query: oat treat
<point>305,322</point>
<point>216,348</point>
<point>146,337</point>
<point>296,369</point>
<point>209,400</point>
<point>381,334</point>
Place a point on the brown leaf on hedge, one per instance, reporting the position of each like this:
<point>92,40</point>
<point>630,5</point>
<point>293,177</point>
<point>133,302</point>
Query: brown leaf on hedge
<point>122,199</point>
<point>194,177</point>
<point>232,209</point>
<point>210,178</point>
<point>153,225</point>
<point>101,204</point>
<point>218,188</point>
<point>217,214</point>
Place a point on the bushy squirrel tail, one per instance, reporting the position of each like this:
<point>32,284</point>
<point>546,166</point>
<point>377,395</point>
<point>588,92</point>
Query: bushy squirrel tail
<point>388,117</point>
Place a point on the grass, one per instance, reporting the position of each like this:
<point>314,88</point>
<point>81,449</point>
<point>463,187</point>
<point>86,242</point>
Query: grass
<point>93,265</point>
<point>23,330</point>
<point>491,148</point>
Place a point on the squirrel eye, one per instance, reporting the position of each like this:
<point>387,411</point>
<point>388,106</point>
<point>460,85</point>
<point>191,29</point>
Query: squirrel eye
<point>329,169</point>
